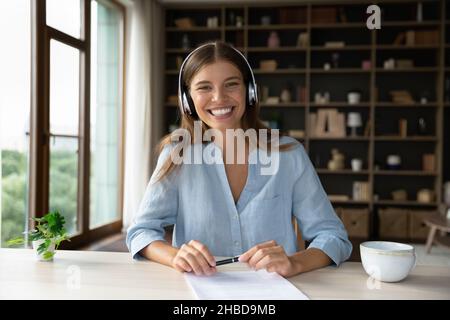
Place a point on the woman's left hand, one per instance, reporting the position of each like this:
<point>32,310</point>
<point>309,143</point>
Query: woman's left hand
<point>270,256</point>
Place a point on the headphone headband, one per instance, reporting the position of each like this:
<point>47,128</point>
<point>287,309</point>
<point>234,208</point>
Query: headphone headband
<point>184,98</point>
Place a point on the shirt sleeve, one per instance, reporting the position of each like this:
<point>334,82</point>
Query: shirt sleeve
<point>315,215</point>
<point>158,209</point>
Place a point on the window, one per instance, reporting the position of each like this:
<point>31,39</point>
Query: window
<point>64,102</point>
<point>14,117</point>
<point>106,106</point>
<point>64,15</point>
<point>64,137</point>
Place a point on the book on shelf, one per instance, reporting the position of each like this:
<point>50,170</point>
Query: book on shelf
<point>403,127</point>
<point>361,191</point>
<point>428,162</point>
<point>301,93</point>
<point>338,197</point>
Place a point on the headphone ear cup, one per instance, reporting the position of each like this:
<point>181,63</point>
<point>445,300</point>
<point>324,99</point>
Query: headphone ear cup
<point>190,107</point>
<point>252,95</point>
<point>185,104</point>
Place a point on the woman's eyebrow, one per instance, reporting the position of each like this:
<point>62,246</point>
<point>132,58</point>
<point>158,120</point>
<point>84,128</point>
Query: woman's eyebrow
<point>203,82</point>
<point>232,78</point>
<point>227,79</point>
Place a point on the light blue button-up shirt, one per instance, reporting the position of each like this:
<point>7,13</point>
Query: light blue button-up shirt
<point>197,199</point>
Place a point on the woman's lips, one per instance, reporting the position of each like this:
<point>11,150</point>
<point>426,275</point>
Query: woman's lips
<point>221,113</point>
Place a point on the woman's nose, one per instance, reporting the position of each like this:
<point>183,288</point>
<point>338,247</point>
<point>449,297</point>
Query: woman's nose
<point>219,94</point>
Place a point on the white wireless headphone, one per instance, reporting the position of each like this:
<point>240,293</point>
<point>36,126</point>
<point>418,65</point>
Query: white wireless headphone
<point>184,98</point>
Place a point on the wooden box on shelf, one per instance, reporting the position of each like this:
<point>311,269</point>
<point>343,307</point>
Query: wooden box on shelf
<point>401,96</point>
<point>356,221</point>
<point>327,123</point>
<point>404,63</point>
<point>393,223</point>
<point>185,23</point>
<point>418,230</point>
<point>268,65</point>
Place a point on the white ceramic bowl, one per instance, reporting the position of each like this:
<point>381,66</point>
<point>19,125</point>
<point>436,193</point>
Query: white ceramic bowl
<point>387,261</point>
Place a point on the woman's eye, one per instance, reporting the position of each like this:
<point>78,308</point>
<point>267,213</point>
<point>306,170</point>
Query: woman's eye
<point>232,84</point>
<point>203,88</point>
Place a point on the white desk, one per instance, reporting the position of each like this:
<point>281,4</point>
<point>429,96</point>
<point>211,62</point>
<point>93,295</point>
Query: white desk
<point>108,275</point>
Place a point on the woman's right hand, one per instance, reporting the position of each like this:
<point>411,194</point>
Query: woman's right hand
<point>194,257</point>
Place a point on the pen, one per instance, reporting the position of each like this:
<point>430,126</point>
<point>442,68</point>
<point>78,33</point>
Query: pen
<point>226,261</point>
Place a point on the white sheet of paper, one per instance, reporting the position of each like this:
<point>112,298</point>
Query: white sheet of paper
<point>243,285</point>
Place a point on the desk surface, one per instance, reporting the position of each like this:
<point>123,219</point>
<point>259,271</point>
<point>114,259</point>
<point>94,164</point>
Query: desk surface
<point>110,275</point>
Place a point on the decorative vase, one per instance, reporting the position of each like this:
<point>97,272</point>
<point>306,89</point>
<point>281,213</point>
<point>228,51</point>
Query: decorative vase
<point>422,126</point>
<point>274,40</point>
<point>285,95</point>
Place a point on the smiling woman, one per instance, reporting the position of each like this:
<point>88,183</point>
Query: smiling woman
<point>232,208</point>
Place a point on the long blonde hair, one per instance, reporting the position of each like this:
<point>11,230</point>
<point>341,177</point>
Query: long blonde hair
<point>206,55</point>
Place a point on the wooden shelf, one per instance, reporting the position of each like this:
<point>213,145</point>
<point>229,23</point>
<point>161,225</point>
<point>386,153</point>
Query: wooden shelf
<point>278,49</point>
<point>344,139</point>
<point>406,105</point>
<point>280,71</point>
<point>234,28</point>
<point>412,173</point>
<point>403,139</point>
<point>277,27</point>
<point>412,23</point>
<point>340,105</point>
<point>339,70</point>
<point>194,29</point>
<point>404,203</point>
<point>350,201</point>
<point>338,25</point>
<point>345,48</point>
<point>405,47</point>
<point>344,171</point>
<point>283,105</point>
<point>415,69</point>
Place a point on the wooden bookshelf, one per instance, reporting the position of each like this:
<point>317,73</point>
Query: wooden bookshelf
<point>304,66</point>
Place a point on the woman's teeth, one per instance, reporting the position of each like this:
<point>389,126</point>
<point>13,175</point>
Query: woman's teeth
<point>221,111</point>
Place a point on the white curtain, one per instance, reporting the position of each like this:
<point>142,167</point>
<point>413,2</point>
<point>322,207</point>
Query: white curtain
<point>143,99</point>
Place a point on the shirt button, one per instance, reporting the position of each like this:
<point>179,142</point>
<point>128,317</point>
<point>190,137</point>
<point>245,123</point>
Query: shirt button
<point>236,216</point>
<point>236,243</point>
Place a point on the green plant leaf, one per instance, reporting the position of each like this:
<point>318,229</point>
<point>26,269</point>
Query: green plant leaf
<point>55,222</point>
<point>36,235</point>
<point>43,246</point>
<point>15,241</point>
<point>48,255</point>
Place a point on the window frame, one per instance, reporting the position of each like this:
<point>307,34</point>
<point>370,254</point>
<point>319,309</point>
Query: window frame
<point>40,126</point>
